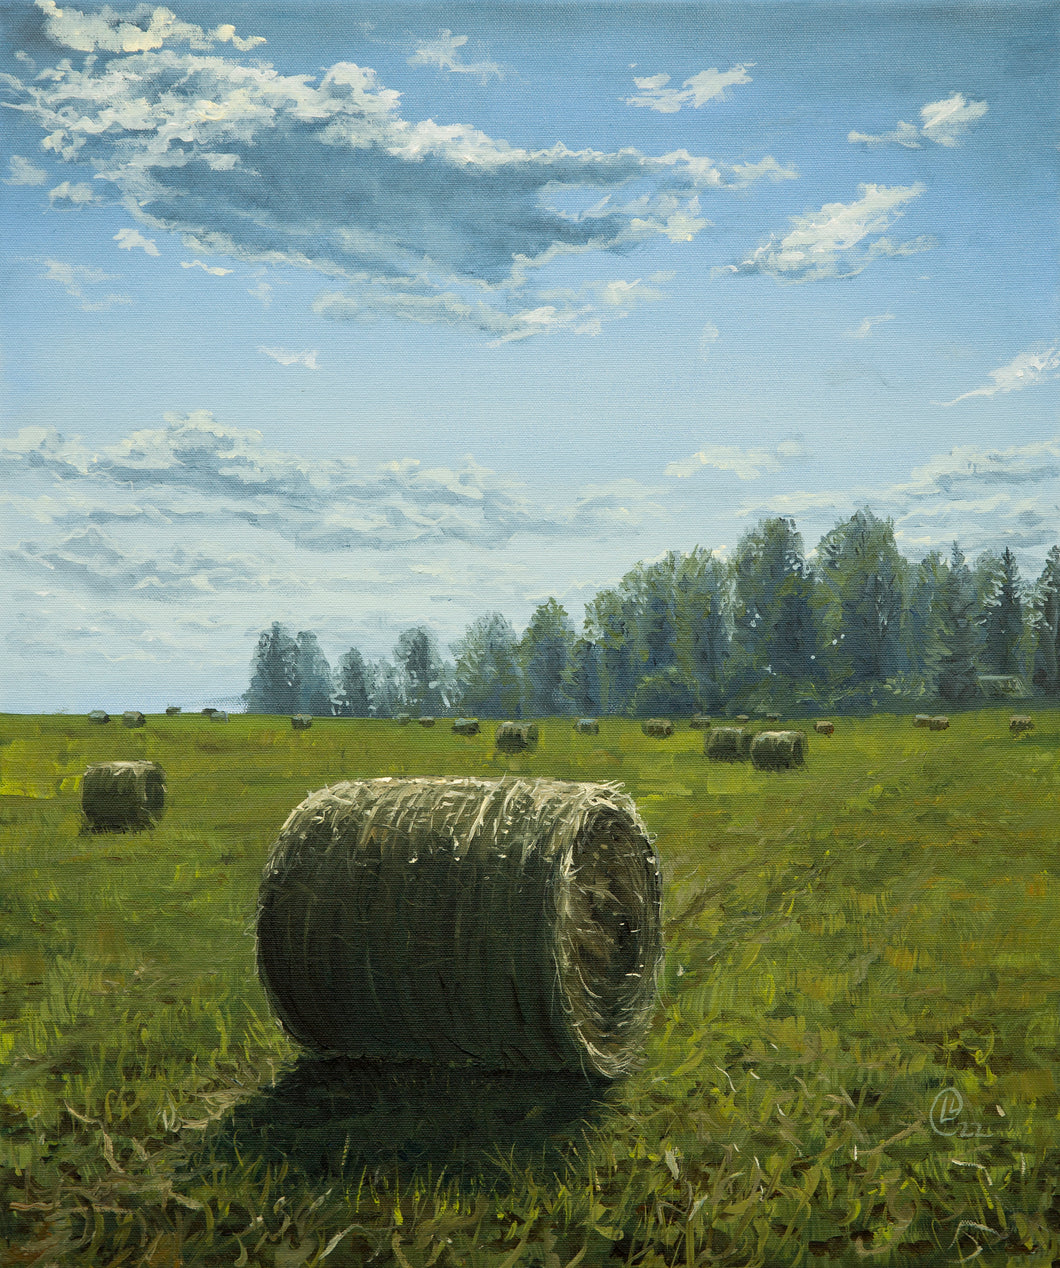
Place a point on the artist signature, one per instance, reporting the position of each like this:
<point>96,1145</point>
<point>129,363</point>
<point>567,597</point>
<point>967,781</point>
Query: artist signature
<point>947,1117</point>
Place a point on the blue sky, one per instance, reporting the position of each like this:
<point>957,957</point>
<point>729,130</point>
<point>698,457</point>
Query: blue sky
<point>357,316</point>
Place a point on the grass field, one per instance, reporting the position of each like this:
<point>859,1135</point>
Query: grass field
<point>854,1058</point>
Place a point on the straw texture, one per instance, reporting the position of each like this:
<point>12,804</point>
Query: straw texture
<point>512,924</point>
<point>119,796</point>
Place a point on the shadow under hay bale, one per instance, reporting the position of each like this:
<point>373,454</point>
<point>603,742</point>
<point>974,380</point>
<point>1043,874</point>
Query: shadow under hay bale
<point>133,717</point>
<point>123,796</point>
<point>301,722</point>
<point>587,726</point>
<point>515,737</point>
<point>512,924</point>
<point>466,726</point>
<point>728,744</point>
<point>330,1119</point>
<point>778,750</point>
<point>658,728</point>
<point>699,722</point>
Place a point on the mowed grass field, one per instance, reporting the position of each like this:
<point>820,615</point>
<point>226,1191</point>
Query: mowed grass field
<point>854,1059</point>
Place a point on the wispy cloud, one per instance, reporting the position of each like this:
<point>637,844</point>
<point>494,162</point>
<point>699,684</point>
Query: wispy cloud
<point>23,172</point>
<point>1024,370</point>
<point>943,122</point>
<point>654,91</point>
<point>444,54</point>
<point>868,325</point>
<point>77,279</point>
<point>78,194</point>
<point>131,239</point>
<point>840,240</point>
<point>405,218</point>
<point>708,337</point>
<point>745,464</point>
<point>284,356</point>
<point>214,270</point>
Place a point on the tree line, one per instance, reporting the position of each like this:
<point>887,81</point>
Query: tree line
<point>769,629</point>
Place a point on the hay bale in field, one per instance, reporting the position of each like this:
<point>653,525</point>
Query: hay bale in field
<point>1019,722</point>
<point>772,717</point>
<point>938,723</point>
<point>514,737</point>
<point>172,710</point>
<point>301,721</point>
<point>209,711</point>
<point>218,715</point>
<point>743,717</point>
<point>824,728</point>
<point>466,726</point>
<point>778,750</point>
<point>123,796</point>
<point>660,728</point>
<point>699,722</point>
<point>425,721</point>
<point>133,717</point>
<point>98,717</point>
<point>922,719</point>
<point>513,924</point>
<point>402,719</point>
<point>587,726</point>
<point>728,744</point>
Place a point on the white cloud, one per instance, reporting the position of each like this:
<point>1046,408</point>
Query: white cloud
<point>443,54</point>
<point>868,325</point>
<point>129,239</point>
<point>23,172</point>
<point>286,357</point>
<point>324,173</point>
<point>76,279</point>
<point>655,93</point>
<point>840,240</point>
<point>214,270</point>
<point>745,464</point>
<point>262,292</point>
<point>78,194</point>
<point>944,122</point>
<point>708,337</point>
<point>1025,370</point>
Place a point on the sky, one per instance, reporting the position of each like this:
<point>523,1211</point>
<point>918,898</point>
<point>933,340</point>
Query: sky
<point>356,317</point>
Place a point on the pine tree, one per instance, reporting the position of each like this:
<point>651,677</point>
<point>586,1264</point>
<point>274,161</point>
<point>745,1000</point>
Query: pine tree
<point>544,653</point>
<point>488,676</point>
<point>1047,625</point>
<point>314,677</point>
<point>354,688</point>
<point>274,673</point>
<point>957,637</point>
<point>420,662</point>
<point>1002,614</point>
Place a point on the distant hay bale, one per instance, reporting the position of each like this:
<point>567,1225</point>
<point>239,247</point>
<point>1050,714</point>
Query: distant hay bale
<point>743,717</point>
<point>778,750</point>
<point>938,723</point>
<point>98,717</point>
<point>172,710</point>
<point>587,726</point>
<point>1019,723</point>
<point>772,717</point>
<point>922,719</point>
<point>514,737</point>
<point>425,721</point>
<point>728,744</point>
<point>512,924</point>
<point>301,721</point>
<point>209,711</point>
<point>123,796</point>
<point>824,728</point>
<point>466,726</point>
<point>700,722</point>
<point>218,715</point>
<point>402,719</point>
<point>998,686</point>
<point>660,728</point>
<point>133,717</point>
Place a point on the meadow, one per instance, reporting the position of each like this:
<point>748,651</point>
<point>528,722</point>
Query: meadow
<point>853,1060</point>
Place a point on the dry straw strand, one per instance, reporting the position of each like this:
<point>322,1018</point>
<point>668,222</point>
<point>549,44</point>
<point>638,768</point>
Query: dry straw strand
<point>512,923</point>
<point>123,796</point>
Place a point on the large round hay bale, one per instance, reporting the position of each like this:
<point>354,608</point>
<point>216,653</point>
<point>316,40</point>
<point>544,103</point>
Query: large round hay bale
<point>123,796</point>
<point>778,750</point>
<point>513,924</point>
<point>587,726</point>
<point>514,737</point>
<point>466,726</point>
<point>301,721</point>
<point>700,722</point>
<point>133,717</point>
<point>98,717</point>
<point>728,744</point>
<point>659,728</point>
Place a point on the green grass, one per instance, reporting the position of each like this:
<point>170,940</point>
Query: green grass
<point>844,942</point>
